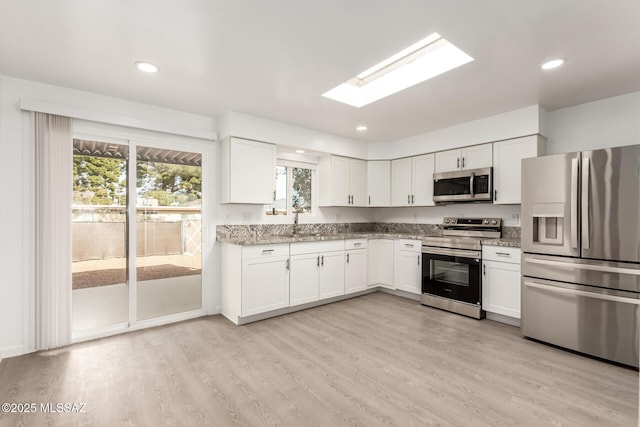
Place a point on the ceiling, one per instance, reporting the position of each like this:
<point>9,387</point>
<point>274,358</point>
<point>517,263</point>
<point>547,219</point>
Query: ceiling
<point>274,59</point>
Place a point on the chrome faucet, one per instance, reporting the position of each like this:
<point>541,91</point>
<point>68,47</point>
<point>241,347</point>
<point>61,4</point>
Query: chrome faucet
<point>295,220</point>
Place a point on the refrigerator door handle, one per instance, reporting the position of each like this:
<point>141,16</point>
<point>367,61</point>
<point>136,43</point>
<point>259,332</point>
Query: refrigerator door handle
<point>582,293</point>
<point>593,267</point>
<point>586,244</point>
<point>574,203</point>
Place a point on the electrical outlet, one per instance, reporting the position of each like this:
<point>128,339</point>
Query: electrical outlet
<point>515,218</point>
<point>338,217</point>
<point>246,217</point>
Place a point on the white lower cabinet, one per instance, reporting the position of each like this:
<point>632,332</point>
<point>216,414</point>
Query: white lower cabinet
<point>408,265</point>
<point>304,279</point>
<point>380,263</point>
<point>501,280</point>
<point>317,271</point>
<point>255,279</point>
<point>355,268</point>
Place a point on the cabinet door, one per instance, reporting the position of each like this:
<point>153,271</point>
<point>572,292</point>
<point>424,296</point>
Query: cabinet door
<point>408,267</point>
<point>407,259</point>
<point>501,288</point>
<point>507,168</point>
<point>401,182</point>
<point>331,274</point>
<point>355,275</point>
<point>304,281</point>
<point>358,182</point>
<point>251,172</point>
<point>265,285</point>
<point>447,161</point>
<point>423,167</point>
<point>380,263</point>
<point>379,183</point>
<point>477,156</point>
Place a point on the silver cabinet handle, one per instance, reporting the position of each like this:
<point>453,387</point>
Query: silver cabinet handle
<point>463,162</point>
<point>274,195</point>
<point>267,251</point>
<point>322,262</point>
<point>288,265</point>
<point>484,269</point>
<point>503,254</point>
<point>495,195</point>
<point>419,256</point>
<point>369,199</point>
<point>574,203</point>
<point>347,258</point>
<point>408,245</point>
<point>458,165</point>
<point>586,244</point>
<point>357,244</point>
<point>412,199</point>
<point>408,199</point>
<point>318,261</point>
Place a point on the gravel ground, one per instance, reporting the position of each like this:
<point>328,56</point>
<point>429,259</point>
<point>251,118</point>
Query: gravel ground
<point>88,274</point>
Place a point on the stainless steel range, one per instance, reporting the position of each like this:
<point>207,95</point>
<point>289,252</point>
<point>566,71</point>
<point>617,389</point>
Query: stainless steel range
<point>451,273</point>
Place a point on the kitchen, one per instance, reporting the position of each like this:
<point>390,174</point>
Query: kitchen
<point>600,120</point>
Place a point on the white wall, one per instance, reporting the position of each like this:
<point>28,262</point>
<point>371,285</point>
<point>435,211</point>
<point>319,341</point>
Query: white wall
<point>610,122</point>
<point>513,124</point>
<point>260,129</point>
<point>510,214</point>
<point>17,213</point>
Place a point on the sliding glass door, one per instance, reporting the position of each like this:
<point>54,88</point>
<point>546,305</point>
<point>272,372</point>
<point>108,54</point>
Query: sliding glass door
<point>137,234</point>
<point>100,285</point>
<point>169,232</point>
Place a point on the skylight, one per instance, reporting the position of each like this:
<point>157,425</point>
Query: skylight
<point>421,61</point>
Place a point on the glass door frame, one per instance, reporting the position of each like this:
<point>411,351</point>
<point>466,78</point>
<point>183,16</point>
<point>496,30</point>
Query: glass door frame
<point>168,142</point>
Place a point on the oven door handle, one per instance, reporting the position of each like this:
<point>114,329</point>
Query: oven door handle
<point>451,252</point>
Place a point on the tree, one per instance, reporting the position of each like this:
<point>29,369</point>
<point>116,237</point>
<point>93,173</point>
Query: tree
<point>169,184</point>
<point>99,181</point>
<point>301,197</point>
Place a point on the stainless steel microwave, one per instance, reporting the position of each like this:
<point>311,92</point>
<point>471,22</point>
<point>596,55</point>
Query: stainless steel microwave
<point>472,185</point>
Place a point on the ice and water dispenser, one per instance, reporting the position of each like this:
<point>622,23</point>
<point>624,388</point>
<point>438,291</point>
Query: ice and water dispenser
<point>548,223</point>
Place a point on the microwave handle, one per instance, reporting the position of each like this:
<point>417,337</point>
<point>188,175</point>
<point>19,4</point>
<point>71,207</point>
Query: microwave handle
<point>473,177</point>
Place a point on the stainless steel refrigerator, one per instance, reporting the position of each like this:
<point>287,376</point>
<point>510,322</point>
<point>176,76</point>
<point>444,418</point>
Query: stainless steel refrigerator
<point>581,251</point>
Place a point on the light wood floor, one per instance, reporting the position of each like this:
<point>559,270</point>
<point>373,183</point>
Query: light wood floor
<point>369,361</point>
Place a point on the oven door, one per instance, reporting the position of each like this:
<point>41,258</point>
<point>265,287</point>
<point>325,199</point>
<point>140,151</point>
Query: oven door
<point>452,273</point>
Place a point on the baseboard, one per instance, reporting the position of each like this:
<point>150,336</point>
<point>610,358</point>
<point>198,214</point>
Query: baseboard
<point>503,319</point>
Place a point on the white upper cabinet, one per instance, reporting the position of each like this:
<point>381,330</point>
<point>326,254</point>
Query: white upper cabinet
<point>474,157</point>
<point>342,181</point>
<point>412,181</point>
<point>422,180</point>
<point>247,171</point>
<point>507,160</point>
<point>379,183</point>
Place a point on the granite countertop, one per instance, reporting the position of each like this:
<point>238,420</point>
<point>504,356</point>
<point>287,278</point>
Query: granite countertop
<point>505,242</point>
<point>275,238</point>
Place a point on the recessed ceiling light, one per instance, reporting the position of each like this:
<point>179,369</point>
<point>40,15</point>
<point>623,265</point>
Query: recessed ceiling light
<point>552,64</point>
<point>421,61</point>
<point>146,67</point>
<point>300,151</point>
<point>361,128</point>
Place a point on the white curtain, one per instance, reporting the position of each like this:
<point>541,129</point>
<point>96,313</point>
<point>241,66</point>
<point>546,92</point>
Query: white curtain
<point>54,154</point>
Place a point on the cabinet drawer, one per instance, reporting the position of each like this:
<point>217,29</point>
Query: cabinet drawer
<point>355,244</point>
<point>315,247</point>
<point>501,254</point>
<point>262,251</point>
<point>409,245</point>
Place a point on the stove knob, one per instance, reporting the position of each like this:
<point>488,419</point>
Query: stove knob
<point>494,222</point>
<point>446,220</point>
<point>486,221</point>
